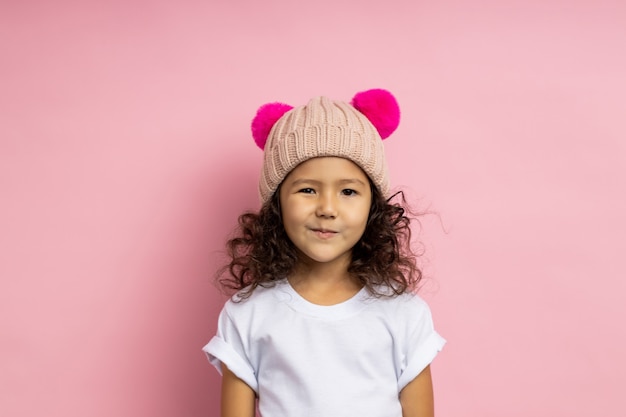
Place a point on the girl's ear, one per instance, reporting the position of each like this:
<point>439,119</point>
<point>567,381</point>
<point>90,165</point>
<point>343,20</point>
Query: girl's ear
<point>266,116</point>
<point>381,109</point>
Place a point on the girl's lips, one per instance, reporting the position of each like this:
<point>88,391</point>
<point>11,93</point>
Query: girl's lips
<point>323,233</point>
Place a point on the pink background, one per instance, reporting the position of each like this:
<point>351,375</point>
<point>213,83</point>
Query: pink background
<point>125,158</point>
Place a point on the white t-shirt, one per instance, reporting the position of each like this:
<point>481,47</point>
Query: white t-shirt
<point>306,360</point>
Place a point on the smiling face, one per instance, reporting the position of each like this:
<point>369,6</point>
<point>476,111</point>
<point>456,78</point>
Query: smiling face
<point>325,204</point>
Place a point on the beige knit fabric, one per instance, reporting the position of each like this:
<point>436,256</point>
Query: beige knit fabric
<point>322,128</point>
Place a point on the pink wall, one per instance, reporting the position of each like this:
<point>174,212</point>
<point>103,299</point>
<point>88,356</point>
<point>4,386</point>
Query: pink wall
<point>125,158</point>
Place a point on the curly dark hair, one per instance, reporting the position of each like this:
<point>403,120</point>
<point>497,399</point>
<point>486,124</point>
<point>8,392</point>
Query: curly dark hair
<point>382,260</point>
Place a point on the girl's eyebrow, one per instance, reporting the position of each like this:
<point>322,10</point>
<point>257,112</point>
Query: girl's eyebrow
<point>316,182</point>
<point>305,181</point>
<point>351,181</point>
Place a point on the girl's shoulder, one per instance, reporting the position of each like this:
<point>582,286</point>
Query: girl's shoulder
<point>251,299</point>
<point>384,292</point>
<point>406,304</point>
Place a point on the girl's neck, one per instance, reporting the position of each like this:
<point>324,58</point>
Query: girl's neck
<point>323,284</point>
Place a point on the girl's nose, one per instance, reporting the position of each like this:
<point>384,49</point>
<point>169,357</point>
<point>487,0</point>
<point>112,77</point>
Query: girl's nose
<point>327,206</point>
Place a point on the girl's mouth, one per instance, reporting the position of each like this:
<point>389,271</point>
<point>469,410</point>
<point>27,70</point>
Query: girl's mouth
<point>324,233</point>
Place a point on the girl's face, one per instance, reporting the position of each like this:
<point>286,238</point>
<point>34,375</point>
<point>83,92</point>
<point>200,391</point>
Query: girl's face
<point>325,204</point>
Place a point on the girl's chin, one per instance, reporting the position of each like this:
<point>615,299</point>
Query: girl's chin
<point>326,259</point>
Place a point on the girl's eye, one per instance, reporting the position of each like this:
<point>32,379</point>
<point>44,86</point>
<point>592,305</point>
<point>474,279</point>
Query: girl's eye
<point>307,191</point>
<point>348,192</point>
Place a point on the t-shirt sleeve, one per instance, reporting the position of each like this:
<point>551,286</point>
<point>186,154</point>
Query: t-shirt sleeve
<point>421,342</point>
<point>228,347</point>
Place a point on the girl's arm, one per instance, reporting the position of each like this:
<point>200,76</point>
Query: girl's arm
<point>238,399</point>
<point>416,397</point>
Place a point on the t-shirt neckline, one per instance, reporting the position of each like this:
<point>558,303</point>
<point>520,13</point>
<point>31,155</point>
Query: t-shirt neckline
<point>340,310</point>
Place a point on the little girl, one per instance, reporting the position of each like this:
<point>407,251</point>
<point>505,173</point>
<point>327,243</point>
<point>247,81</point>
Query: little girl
<point>324,322</point>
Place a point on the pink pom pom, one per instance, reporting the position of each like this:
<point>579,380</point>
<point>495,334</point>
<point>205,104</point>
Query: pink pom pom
<point>380,108</point>
<point>266,117</point>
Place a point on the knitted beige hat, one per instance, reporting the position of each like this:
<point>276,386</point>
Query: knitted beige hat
<point>323,127</point>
